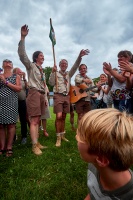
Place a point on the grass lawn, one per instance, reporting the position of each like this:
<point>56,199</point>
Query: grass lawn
<point>59,173</point>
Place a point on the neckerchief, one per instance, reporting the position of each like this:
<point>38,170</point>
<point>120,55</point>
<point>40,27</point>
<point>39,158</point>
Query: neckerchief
<point>42,75</point>
<point>85,76</point>
<point>64,76</point>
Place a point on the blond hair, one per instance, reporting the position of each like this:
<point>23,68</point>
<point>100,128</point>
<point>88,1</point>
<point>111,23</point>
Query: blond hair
<point>109,132</point>
<point>15,70</point>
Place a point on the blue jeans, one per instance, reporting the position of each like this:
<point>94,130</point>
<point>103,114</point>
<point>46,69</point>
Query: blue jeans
<point>122,105</point>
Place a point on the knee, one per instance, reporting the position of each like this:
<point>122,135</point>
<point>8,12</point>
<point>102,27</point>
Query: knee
<point>35,121</point>
<point>58,117</point>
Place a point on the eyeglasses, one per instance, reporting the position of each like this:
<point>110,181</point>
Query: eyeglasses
<point>6,60</point>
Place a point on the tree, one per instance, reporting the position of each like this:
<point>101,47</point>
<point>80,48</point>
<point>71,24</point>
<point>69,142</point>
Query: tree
<point>47,71</point>
<point>95,80</point>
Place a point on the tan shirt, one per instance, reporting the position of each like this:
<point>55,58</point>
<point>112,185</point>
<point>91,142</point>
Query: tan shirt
<point>34,76</point>
<point>61,87</point>
<point>79,80</point>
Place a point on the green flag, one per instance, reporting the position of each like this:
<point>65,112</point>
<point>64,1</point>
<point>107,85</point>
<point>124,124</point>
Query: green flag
<point>52,35</point>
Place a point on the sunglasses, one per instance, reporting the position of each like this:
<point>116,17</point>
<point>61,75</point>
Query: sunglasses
<point>6,60</point>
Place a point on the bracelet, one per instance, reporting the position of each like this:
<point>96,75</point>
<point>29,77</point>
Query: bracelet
<point>6,83</point>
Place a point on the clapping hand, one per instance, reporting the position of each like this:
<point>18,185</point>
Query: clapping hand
<point>106,68</point>
<point>125,66</point>
<point>2,78</point>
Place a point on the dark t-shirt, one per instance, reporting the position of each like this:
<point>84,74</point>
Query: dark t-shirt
<point>98,193</point>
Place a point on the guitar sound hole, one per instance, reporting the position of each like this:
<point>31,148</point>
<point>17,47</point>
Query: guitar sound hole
<point>81,90</point>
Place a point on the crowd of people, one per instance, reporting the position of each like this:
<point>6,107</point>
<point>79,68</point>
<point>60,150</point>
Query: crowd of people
<point>104,114</point>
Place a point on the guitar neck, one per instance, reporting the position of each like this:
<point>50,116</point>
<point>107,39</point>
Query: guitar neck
<point>95,86</point>
<point>90,88</point>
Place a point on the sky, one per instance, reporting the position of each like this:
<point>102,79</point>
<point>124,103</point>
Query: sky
<point>104,27</point>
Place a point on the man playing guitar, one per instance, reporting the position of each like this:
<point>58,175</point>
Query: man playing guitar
<point>84,104</point>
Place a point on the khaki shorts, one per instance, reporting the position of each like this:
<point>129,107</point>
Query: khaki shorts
<point>61,103</point>
<point>83,106</point>
<point>35,102</point>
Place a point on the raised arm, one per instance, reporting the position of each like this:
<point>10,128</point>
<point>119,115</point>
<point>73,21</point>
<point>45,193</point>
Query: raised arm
<point>82,53</point>
<point>21,47</point>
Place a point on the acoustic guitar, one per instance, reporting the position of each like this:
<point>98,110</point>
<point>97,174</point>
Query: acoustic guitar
<point>78,92</point>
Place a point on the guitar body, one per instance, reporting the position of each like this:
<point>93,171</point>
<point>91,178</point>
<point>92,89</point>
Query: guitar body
<point>76,93</point>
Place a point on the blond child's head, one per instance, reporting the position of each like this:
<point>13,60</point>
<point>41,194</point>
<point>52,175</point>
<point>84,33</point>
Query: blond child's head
<point>109,133</point>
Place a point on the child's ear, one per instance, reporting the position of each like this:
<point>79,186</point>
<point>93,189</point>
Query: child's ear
<point>102,161</point>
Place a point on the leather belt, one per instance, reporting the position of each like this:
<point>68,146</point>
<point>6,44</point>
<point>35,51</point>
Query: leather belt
<point>64,94</point>
<point>40,91</point>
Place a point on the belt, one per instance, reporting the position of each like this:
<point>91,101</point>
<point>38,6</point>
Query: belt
<point>40,91</point>
<point>64,94</point>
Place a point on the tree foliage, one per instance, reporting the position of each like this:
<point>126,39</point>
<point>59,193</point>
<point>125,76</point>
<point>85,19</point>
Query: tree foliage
<point>95,80</point>
<point>47,71</point>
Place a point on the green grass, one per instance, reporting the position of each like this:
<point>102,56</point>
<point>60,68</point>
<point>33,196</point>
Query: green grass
<point>59,173</point>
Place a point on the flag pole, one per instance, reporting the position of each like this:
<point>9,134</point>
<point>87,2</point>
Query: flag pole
<point>56,82</point>
<point>53,45</point>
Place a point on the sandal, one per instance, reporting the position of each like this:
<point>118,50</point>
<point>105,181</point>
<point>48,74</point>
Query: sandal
<point>9,152</point>
<point>45,133</point>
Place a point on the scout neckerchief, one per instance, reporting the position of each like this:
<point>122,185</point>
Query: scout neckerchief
<point>42,75</point>
<point>84,76</point>
<point>64,77</point>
